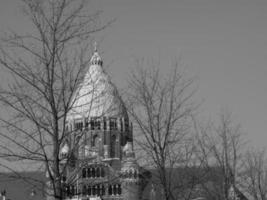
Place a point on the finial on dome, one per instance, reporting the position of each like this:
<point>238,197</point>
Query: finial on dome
<point>96,59</point>
<point>95,47</point>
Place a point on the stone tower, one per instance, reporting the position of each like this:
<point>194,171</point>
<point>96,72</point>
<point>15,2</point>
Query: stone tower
<point>100,141</point>
<point>131,183</point>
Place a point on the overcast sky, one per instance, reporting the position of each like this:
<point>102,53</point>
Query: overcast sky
<point>223,42</point>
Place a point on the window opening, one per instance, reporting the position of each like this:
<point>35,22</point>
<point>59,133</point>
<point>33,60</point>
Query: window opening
<point>78,125</point>
<point>89,191</point>
<point>102,172</point>
<point>110,190</point>
<point>95,141</point>
<point>105,123</point>
<point>98,172</point>
<point>84,191</point>
<point>113,146</point>
<point>113,124</point>
<point>84,173</point>
<point>95,124</point>
<point>93,172</point>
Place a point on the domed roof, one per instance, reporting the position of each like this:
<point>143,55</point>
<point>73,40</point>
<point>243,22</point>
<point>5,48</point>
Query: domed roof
<point>97,96</point>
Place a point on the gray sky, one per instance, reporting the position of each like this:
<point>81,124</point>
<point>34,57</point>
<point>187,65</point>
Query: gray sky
<point>223,42</point>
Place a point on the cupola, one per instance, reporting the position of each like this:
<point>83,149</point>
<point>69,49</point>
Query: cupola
<point>130,169</point>
<point>96,59</point>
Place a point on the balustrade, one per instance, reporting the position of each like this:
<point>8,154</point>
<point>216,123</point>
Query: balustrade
<point>93,190</point>
<point>93,172</point>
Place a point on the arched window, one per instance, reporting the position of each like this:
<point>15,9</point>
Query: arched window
<point>113,124</point>
<point>95,124</point>
<point>67,190</point>
<point>95,141</point>
<point>97,172</point>
<point>74,191</point>
<point>113,146</point>
<point>89,173</point>
<point>86,125</point>
<point>94,190</point>
<point>84,190</point>
<point>105,123</point>
<point>119,189</point>
<point>78,126</point>
<point>84,173</point>
<point>98,190</point>
<point>110,190</point>
<point>102,190</point>
<point>89,191</point>
<point>102,172</point>
<point>115,189</point>
<point>93,172</point>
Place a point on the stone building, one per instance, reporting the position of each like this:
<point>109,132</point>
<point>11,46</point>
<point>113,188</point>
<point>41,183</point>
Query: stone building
<point>102,163</point>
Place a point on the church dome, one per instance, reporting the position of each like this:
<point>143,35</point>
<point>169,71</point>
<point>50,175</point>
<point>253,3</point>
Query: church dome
<point>97,96</point>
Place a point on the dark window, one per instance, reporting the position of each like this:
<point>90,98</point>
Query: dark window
<point>98,172</point>
<point>115,189</point>
<point>94,190</point>
<point>126,122</point>
<point>73,190</point>
<point>102,190</point>
<point>84,173</point>
<point>113,124</point>
<point>92,124</point>
<point>119,189</point>
<point>86,124</point>
<point>102,172</point>
<point>98,124</point>
<point>89,174</point>
<point>93,172</point>
<point>84,190</point>
<point>89,190</point>
<point>105,123</point>
<point>110,190</point>
<point>95,124</point>
<point>78,126</point>
<point>113,146</point>
<point>121,124</point>
<point>67,190</point>
<point>98,190</point>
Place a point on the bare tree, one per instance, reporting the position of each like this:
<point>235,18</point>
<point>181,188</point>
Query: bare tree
<point>254,177</point>
<point>219,152</point>
<point>161,109</point>
<point>45,69</point>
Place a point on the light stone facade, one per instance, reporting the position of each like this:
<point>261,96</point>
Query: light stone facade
<point>102,164</point>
